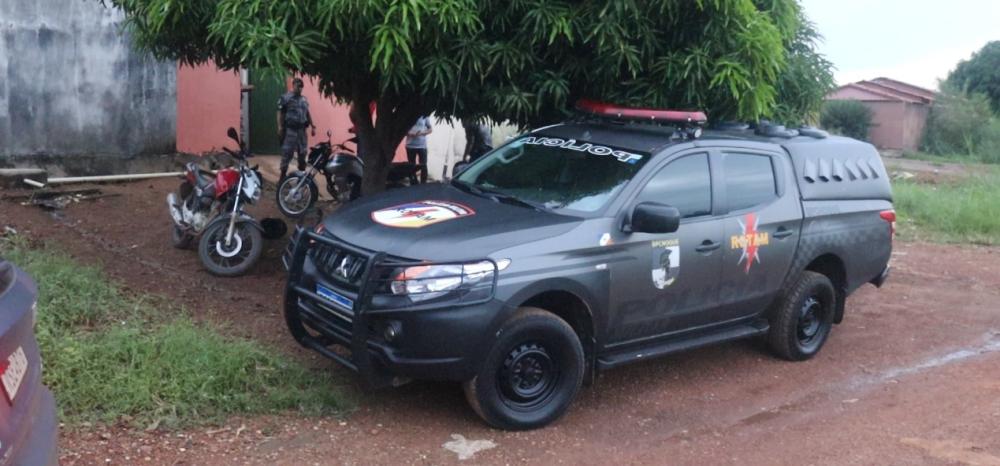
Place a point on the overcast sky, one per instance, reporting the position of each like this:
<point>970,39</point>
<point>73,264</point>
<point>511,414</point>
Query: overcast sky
<point>916,41</point>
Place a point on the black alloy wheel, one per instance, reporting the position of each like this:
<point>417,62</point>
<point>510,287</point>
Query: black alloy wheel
<point>803,318</point>
<point>530,375</point>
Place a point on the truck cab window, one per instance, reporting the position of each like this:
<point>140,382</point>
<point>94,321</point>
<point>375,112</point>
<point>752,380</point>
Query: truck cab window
<point>749,180</point>
<point>685,183</point>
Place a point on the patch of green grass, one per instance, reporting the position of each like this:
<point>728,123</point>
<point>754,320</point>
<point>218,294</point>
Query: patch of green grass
<point>954,158</point>
<point>110,356</point>
<point>965,210</point>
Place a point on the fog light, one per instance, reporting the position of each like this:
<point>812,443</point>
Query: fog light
<point>391,331</point>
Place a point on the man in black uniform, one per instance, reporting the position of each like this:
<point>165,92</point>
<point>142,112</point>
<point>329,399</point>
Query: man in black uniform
<point>293,118</point>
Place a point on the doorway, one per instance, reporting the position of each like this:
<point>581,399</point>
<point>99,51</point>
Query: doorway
<point>267,89</point>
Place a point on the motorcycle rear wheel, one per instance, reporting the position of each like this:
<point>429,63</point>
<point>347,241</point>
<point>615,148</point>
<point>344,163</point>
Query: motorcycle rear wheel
<point>295,203</point>
<point>235,259</point>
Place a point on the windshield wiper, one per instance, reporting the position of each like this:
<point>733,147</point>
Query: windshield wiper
<point>468,187</point>
<point>496,196</point>
<point>511,199</point>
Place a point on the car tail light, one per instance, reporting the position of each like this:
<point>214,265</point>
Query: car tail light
<point>889,216</point>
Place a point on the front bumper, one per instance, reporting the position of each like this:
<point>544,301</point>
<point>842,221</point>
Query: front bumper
<point>443,343</point>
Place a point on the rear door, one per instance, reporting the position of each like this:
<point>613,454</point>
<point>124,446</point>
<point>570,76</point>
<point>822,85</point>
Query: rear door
<point>671,279</point>
<point>762,221</point>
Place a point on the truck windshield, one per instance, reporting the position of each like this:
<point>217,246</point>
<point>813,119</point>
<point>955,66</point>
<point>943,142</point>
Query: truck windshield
<point>557,174</point>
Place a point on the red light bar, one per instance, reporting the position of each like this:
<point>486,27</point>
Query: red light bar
<point>605,109</point>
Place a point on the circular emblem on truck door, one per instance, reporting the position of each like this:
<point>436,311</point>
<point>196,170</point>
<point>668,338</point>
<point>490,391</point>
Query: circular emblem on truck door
<point>420,214</point>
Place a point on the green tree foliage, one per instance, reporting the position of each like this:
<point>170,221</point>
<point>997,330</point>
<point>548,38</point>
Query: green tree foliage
<point>846,117</point>
<point>961,124</point>
<point>980,74</point>
<point>523,61</point>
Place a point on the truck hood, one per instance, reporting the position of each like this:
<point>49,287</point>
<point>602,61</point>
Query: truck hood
<point>439,222</point>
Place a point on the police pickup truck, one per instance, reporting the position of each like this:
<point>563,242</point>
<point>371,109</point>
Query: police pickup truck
<point>619,236</point>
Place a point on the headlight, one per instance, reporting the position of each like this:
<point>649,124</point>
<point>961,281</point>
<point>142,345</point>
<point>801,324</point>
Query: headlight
<point>424,282</point>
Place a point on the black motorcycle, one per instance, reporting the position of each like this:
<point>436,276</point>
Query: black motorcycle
<point>297,193</point>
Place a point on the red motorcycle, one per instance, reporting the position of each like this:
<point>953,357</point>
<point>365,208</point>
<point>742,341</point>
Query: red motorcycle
<point>210,205</point>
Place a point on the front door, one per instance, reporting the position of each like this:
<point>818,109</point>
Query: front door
<point>762,229</point>
<point>267,89</point>
<point>671,280</point>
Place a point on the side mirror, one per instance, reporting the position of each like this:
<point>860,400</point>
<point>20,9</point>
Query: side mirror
<point>233,134</point>
<point>459,168</point>
<point>652,217</point>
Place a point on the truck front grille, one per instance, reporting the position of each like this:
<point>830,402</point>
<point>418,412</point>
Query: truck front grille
<point>343,267</point>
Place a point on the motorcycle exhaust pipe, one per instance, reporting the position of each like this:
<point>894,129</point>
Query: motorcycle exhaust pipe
<point>175,211</point>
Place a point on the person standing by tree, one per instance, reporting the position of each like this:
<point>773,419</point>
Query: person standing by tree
<point>293,118</point>
<point>478,140</point>
<point>416,145</point>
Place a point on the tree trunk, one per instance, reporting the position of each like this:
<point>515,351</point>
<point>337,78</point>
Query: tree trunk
<point>379,137</point>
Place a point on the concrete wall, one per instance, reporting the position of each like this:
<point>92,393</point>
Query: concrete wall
<point>897,125</point>
<point>71,83</point>
<point>887,124</point>
<point>914,123</point>
<point>208,103</point>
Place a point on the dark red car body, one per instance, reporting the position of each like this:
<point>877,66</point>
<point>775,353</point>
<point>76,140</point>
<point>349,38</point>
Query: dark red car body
<point>28,428</point>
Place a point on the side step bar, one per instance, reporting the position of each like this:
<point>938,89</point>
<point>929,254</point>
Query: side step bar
<point>683,344</point>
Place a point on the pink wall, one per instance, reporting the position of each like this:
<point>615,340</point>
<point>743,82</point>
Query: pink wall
<point>208,103</point>
<point>329,115</point>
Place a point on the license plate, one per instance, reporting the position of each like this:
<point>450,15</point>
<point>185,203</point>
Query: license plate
<point>13,374</point>
<point>335,297</point>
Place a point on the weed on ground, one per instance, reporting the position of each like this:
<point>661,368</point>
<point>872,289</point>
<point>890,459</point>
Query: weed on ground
<point>957,211</point>
<point>111,356</point>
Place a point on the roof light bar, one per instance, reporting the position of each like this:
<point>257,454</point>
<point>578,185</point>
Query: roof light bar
<point>604,109</point>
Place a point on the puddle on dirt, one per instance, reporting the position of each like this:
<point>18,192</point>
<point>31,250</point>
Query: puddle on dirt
<point>990,344</point>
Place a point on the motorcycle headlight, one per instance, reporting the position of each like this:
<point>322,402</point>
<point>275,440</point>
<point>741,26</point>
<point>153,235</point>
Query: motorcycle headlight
<point>423,282</point>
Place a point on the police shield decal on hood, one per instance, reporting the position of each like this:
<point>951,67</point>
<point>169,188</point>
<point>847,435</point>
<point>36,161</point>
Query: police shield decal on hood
<point>420,214</point>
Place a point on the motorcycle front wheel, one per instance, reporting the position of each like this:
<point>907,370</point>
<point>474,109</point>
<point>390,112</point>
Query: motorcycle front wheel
<point>296,195</point>
<point>235,258</point>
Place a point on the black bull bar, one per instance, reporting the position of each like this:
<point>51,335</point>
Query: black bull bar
<point>301,303</point>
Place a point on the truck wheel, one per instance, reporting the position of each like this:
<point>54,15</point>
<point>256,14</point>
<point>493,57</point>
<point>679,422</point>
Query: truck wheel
<point>531,375</point>
<point>802,321</point>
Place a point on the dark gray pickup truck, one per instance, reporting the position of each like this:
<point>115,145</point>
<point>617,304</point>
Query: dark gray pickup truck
<point>621,236</point>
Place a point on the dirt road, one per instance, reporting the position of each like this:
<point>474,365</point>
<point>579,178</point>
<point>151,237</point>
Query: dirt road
<point>912,376</point>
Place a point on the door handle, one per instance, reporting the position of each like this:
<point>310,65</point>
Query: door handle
<point>783,233</point>
<point>708,246</point>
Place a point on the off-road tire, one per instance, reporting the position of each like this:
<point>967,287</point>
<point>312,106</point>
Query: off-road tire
<point>246,230</point>
<point>530,333</point>
<point>312,192</point>
<point>786,336</point>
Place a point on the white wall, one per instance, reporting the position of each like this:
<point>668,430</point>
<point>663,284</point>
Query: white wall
<point>446,144</point>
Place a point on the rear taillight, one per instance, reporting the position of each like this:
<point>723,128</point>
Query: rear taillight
<point>889,216</point>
